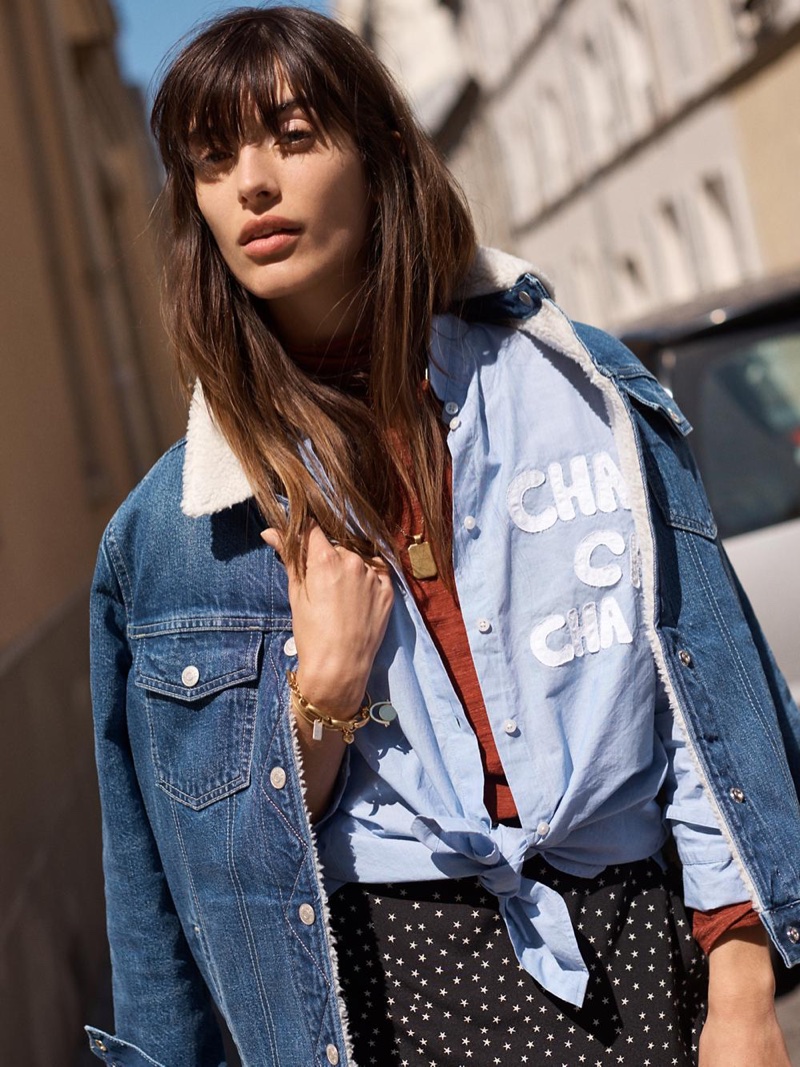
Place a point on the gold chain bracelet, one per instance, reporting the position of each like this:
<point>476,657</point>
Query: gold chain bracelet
<point>320,720</point>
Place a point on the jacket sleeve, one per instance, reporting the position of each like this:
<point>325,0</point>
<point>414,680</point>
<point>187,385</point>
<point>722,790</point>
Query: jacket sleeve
<point>711,878</point>
<point>161,1005</point>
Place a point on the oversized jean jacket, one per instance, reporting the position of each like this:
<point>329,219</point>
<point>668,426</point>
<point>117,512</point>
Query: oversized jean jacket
<point>219,896</point>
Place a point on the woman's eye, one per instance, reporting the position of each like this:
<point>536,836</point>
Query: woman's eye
<point>296,137</point>
<point>212,159</point>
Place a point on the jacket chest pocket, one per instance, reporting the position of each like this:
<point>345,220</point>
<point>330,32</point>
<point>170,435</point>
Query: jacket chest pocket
<point>201,689</point>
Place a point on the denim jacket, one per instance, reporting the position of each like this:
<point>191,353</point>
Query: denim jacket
<point>213,886</point>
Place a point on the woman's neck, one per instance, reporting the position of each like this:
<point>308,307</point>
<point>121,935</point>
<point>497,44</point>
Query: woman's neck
<point>341,361</point>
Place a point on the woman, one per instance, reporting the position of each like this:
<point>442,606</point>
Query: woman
<point>487,643</point>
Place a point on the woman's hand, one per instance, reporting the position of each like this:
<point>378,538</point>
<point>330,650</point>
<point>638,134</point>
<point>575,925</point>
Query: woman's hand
<point>340,610</point>
<point>742,1029</point>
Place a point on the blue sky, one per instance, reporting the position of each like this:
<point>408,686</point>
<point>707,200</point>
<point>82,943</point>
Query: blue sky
<point>149,29</point>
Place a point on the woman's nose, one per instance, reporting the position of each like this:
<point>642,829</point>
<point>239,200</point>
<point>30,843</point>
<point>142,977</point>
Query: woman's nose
<point>255,176</point>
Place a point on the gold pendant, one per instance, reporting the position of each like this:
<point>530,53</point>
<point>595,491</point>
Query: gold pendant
<point>423,565</point>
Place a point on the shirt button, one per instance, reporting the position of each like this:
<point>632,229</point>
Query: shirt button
<point>332,1053</point>
<point>307,915</point>
<point>793,934</point>
<point>277,777</point>
<point>470,522</point>
<point>484,626</point>
<point>510,726</point>
<point>290,648</point>
<point>451,407</point>
<point>737,795</point>
<point>455,423</point>
<point>543,828</point>
<point>190,676</point>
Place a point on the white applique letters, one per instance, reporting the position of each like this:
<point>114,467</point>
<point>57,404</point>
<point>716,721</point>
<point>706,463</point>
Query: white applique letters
<point>594,487</point>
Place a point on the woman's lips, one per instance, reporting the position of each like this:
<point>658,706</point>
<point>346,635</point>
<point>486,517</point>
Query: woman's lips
<point>270,244</point>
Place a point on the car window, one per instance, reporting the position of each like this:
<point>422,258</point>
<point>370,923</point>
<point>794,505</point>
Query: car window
<point>742,394</point>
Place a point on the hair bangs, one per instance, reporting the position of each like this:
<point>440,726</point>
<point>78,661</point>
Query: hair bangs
<point>252,70</point>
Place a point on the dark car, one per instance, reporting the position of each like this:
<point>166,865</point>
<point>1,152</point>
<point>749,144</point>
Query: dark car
<point>733,365</point>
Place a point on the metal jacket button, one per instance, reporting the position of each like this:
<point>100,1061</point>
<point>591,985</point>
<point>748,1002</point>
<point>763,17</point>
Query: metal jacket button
<point>685,657</point>
<point>737,794</point>
<point>526,298</point>
<point>332,1053</point>
<point>277,777</point>
<point>190,676</point>
<point>99,1044</point>
<point>793,934</point>
<point>290,648</point>
<point>307,915</point>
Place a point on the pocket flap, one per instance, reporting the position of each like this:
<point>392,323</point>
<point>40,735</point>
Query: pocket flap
<point>193,664</point>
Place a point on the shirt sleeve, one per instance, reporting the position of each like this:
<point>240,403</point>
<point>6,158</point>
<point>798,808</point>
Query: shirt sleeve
<point>711,877</point>
<point>709,926</point>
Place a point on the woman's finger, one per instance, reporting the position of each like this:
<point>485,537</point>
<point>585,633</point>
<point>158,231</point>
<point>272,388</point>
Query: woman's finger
<point>273,539</point>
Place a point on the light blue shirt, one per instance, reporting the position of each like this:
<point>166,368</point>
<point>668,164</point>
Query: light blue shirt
<point>548,573</point>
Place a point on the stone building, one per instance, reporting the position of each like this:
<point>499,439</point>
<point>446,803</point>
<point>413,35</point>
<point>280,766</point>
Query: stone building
<point>87,404</point>
<point>638,151</point>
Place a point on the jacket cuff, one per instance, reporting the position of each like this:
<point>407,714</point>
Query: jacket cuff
<point>118,1053</point>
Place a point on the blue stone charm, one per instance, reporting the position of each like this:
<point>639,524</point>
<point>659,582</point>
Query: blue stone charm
<point>383,711</point>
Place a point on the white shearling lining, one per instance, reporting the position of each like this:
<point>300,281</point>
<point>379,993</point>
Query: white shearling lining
<point>213,478</point>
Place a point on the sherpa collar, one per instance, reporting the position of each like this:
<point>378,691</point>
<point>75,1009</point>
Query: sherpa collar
<point>213,478</point>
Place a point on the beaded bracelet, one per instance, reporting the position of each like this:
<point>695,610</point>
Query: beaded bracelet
<point>320,720</point>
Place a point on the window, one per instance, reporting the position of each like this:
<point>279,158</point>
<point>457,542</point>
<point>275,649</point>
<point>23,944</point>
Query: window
<point>676,260</point>
<point>722,244</point>
<point>636,67</point>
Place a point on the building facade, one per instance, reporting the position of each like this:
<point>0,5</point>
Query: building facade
<point>87,404</point>
<point>639,152</point>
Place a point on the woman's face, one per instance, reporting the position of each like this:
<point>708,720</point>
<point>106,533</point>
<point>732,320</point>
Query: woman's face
<point>290,214</point>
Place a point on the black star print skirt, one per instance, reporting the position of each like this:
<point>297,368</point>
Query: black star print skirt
<point>430,979</point>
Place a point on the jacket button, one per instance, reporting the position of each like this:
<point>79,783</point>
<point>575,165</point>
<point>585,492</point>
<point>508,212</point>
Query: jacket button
<point>290,648</point>
<point>685,657</point>
<point>674,415</point>
<point>526,298</point>
<point>190,676</point>
<point>307,915</point>
<point>332,1053</point>
<point>737,794</point>
<point>99,1044</point>
<point>277,777</point>
<point>793,934</point>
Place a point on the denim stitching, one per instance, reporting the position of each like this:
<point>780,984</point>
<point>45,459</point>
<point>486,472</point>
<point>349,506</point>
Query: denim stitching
<point>251,941</point>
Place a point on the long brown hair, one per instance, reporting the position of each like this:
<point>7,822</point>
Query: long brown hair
<point>421,245</point>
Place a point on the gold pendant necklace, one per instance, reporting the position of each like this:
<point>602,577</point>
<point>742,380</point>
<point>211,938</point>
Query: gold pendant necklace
<point>420,556</point>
